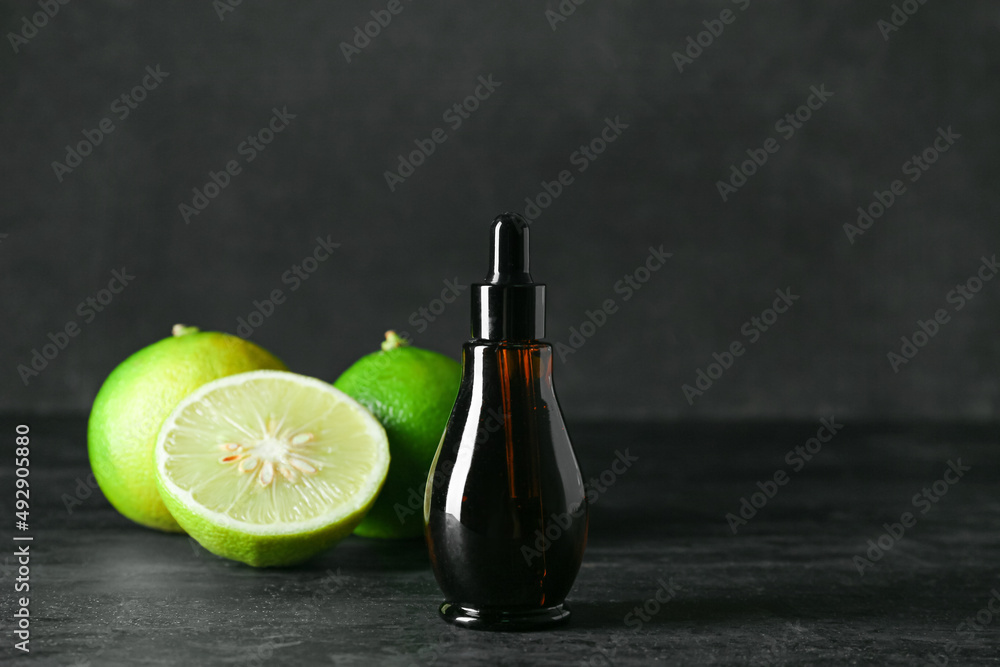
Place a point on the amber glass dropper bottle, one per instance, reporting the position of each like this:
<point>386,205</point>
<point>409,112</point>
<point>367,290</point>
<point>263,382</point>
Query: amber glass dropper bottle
<point>505,506</point>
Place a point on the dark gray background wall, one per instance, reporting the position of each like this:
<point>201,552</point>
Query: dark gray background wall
<point>654,185</point>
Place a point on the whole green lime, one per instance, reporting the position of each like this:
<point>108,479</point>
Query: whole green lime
<point>411,392</point>
<point>138,396</point>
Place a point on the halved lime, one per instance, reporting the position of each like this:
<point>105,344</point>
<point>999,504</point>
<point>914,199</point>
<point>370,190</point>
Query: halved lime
<point>270,467</point>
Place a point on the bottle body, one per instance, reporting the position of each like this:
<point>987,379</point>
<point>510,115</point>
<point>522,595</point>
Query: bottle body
<point>505,505</point>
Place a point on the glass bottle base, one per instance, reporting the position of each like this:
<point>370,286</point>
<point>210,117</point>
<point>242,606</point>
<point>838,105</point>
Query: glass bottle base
<point>490,619</point>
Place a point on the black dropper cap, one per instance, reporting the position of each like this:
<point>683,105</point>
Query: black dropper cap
<point>508,306</point>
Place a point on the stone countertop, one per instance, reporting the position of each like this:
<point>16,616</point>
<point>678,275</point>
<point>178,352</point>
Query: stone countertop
<point>665,578</point>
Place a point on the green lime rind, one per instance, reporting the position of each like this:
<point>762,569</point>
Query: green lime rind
<point>411,391</point>
<point>138,396</point>
<point>276,550</point>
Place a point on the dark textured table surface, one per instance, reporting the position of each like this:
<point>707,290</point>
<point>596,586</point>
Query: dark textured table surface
<point>784,589</point>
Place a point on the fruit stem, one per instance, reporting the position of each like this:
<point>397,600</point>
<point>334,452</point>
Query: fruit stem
<point>181,330</point>
<point>393,341</point>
